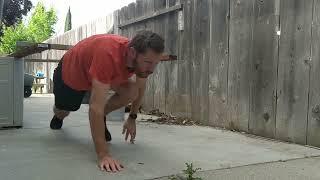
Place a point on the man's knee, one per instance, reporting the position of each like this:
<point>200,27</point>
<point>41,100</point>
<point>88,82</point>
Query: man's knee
<point>61,114</point>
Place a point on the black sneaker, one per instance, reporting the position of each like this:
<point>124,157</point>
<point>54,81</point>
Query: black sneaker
<point>106,132</point>
<point>56,123</point>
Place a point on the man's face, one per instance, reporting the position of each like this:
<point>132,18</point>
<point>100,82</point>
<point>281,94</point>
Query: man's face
<point>146,63</point>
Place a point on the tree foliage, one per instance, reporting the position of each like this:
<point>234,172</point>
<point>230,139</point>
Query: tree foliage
<point>41,25</point>
<point>14,10</point>
<point>68,23</point>
<point>39,28</point>
<point>11,35</point>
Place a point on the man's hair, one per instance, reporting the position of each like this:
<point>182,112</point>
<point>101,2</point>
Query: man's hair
<point>144,40</point>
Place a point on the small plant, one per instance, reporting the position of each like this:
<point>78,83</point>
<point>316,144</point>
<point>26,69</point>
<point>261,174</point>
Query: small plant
<point>189,173</point>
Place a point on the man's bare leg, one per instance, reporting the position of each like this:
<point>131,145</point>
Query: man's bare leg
<point>57,120</point>
<point>61,114</point>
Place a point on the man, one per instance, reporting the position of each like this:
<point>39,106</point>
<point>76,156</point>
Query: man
<point>98,64</point>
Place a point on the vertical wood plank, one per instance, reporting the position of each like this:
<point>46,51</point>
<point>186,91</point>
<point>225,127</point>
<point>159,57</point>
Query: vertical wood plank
<point>314,104</point>
<point>241,20</point>
<point>203,54</point>
<point>218,62</point>
<point>293,83</point>
<point>184,76</point>
<point>139,12</point>
<point>131,15</point>
<point>171,67</point>
<point>125,19</point>
<point>199,69</point>
<point>149,95</point>
<point>116,21</point>
<point>264,70</point>
<point>159,74</point>
<point>121,20</point>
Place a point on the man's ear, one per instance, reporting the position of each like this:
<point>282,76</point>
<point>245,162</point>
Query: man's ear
<point>132,52</point>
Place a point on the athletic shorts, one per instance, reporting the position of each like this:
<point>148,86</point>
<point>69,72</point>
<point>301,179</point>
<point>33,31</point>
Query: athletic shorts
<point>65,97</point>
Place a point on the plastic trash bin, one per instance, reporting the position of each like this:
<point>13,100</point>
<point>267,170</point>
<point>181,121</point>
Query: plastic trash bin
<point>11,91</point>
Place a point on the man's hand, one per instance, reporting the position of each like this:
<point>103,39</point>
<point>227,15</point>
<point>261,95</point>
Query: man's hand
<point>129,128</point>
<point>109,164</point>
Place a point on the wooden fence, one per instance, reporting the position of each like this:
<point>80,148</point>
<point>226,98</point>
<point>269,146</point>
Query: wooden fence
<point>248,65</point>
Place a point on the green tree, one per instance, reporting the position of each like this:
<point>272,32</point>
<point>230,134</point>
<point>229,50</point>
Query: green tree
<point>11,35</point>
<point>13,10</point>
<point>68,24</point>
<point>39,28</point>
<point>41,24</point>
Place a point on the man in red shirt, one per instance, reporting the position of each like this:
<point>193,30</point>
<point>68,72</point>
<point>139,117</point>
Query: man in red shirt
<point>98,64</point>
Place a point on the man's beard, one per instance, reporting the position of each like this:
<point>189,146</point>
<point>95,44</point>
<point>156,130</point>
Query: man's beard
<point>142,74</point>
<point>137,70</point>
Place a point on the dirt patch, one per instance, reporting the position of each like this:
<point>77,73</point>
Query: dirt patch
<point>169,119</point>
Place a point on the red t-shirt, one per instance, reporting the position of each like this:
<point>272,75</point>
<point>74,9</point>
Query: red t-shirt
<point>101,57</point>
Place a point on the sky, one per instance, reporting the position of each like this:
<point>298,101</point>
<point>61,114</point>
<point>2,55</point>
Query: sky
<point>82,11</point>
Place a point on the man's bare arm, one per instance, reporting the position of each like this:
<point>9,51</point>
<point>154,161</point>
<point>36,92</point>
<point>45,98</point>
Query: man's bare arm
<point>141,83</point>
<point>96,115</point>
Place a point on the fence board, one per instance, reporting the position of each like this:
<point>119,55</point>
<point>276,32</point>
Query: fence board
<point>199,70</point>
<point>241,19</point>
<point>116,19</point>
<point>131,15</point>
<point>293,82</point>
<point>171,67</point>
<point>184,93</point>
<point>218,62</point>
<point>264,69</point>
<point>125,18</point>
<point>149,95</point>
<point>159,76</point>
<point>121,20</point>
<point>313,134</point>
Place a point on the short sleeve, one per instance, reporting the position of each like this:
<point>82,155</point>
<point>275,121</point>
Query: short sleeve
<point>102,68</point>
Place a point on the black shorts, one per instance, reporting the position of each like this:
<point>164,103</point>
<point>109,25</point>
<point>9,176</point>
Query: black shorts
<point>65,97</point>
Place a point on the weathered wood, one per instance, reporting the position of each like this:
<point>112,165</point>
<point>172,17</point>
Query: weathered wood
<point>28,48</point>
<point>204,43</point>
<point>264,69</point>
<point>240,61</point>
<point>160,72</point>
<point>171,67</point>
<point>294,69</point>
<point>125,31</point>
<point>218,62</point>
<point>121,19</point>
<point>199,59</point>
<point>313,131</point>
<point>149,96</point>
<point>183,106</point>
<point>139,12</point>
<point>42,60</point>
<point>194,60</point>
<point>153,15</point>
<point>131,15</point>
<point>116,21</point>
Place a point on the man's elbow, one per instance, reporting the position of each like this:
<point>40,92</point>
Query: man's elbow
<point>97,110</point>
